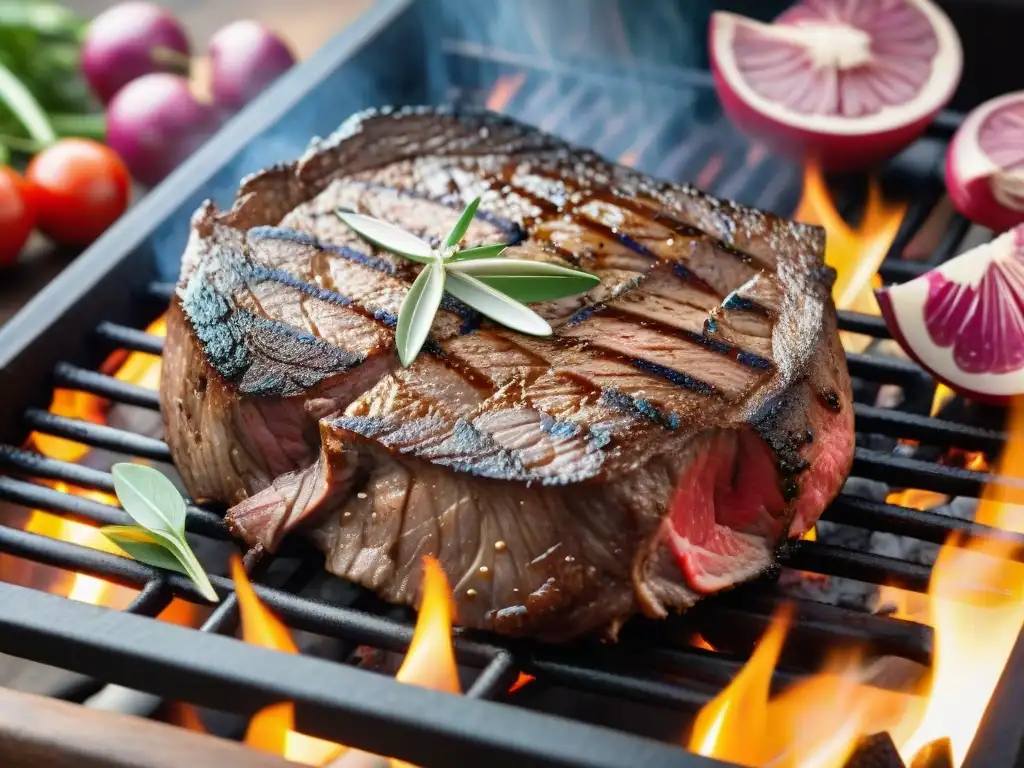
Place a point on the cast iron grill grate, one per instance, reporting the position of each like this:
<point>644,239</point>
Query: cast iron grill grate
<point>651,666</point>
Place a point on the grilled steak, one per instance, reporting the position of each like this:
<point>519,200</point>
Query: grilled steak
<point>688,414</point>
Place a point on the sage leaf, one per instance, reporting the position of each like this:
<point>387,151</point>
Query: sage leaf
<point>480,252</point>
<point>528,281</point>
<point>459,229</point>
<point>418,310</point>
<point>496,305</point>
<point>162,550</point>
<point>388,237</point>
<point>149,498</point>
<point>530,290</point>
<point>138,544</point>
<point>23,104</point>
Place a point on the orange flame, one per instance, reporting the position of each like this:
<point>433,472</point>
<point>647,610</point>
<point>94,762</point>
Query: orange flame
<point>136,367</point>
<point>973,638</point>
<point>811,534</point>
<point>916,498</point>
<point>732,726</point>
<point>430,663</point>
<point>855,253</point>
<point>975,604</point>
<point>943,395</point>
<point>84,588</point>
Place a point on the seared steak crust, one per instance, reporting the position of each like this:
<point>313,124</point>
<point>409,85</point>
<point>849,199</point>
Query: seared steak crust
<point>680,423</point>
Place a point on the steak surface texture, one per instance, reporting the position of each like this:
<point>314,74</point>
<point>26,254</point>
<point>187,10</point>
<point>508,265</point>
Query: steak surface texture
<point>688,415</point>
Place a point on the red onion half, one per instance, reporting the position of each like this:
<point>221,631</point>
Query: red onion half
<point>845,83</point>
<point>964,320</point>
<point>985,164</point>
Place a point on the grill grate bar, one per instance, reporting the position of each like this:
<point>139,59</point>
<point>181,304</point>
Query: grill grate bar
<point>688,697</point>
<point>860,566</point>
<point>161,291</point>
<point>153,598</point>
<point>869,325</point>
<point>496,678</point>
<point>756,606</point>
<point>133,339</point>
<point>920,209</point>
<point>918,524</point>
<point>42,497</point>
<point>98,435</point>
<point>72,377</point>
<point>912,473</point>
<point>887,370</point>
<point>198,520</point>
<point>925,429</point>
<point>901,270</point>
<point>954,234</point>
<point>92,562</point>
<point>35,464</point>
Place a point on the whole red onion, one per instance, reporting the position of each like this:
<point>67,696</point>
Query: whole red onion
<point>245,57</point>
<point>155,122</point>
<point>128,41</point>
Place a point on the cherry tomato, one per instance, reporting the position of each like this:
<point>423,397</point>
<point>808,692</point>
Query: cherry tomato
<point>17,215</point>
<point>80,188</point>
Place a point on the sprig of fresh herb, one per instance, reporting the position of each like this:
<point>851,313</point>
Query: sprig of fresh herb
<point>496,287</point>
<point>153,502</point>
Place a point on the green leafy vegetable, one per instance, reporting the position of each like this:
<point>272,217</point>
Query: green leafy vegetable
<point>153,502</point>
<point>496,287</point>
<point>40,48</point>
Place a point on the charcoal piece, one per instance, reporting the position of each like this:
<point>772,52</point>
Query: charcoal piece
<point>876,751</point>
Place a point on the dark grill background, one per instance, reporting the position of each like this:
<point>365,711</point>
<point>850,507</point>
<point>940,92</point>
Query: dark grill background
<point>104,299</point>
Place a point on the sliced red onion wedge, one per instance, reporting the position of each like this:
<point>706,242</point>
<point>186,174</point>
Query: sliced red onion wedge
<point>845,83</point>
<point>964,320</point>
<point>985,164</point>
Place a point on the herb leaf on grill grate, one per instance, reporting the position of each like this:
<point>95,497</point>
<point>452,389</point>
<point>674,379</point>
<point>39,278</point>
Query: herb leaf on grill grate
<point>154,503</point>
<point>497,288</point>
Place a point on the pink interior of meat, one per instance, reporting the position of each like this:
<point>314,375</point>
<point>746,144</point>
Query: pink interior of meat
<point>727,511</point>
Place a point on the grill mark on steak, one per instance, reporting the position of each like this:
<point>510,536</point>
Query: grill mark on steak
<point>584,455</point>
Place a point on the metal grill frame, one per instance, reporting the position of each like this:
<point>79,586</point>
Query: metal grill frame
<point>101,301</point>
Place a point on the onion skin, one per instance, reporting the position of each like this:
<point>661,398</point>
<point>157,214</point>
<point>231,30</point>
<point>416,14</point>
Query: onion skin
<point>970,172</point>
<point>128,41</point>
<point>154,123</point>
<point>245,58</point>
<point>975,201</point>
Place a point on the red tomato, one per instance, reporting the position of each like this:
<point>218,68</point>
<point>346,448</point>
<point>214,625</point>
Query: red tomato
<point>17,215</point>
<point>80,188</point>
